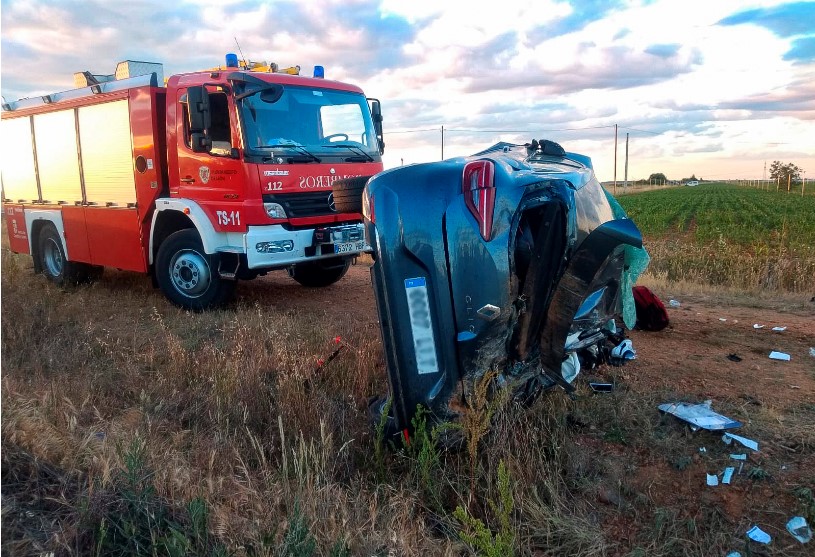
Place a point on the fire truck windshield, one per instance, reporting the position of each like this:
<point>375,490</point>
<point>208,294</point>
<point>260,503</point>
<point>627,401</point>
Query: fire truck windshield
<point>304,120</point>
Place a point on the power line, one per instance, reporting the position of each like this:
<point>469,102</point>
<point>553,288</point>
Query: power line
<point>528,131</point>
<point>641,131</point>
<point>466,130</point>
<point>413,131</point>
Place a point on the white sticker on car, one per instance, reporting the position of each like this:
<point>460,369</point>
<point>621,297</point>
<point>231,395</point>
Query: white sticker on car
<point>421,325</point>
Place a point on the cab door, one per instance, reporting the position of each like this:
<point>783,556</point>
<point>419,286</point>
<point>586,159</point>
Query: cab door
<point>215,179</point>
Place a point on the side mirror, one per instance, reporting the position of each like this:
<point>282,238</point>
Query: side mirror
<point>272,94</point>
<point>376,115</point>
<point>200,119</point>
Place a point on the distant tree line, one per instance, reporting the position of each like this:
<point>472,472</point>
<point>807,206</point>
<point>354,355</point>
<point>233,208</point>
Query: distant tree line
<point>779,171</point>
<point>659,178</point>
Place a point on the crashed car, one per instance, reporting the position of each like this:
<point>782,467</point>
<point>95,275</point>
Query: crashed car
<point>513,262</point>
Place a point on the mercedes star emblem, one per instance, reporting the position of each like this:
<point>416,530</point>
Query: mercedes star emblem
<point>331,202</point>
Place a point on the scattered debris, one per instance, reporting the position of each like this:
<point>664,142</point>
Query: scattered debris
<point>722,319</point>
<point>728,474</point>
<point>742,456</point>
<point>783,356</point>
<point>757,326</point>
<point>702,450</point>
<point>741,465</point>
<point>758,535</point>
<point>674,303</point>
<point>812,351</point>
<point>712,480</point>
<point>651,313</point>
<point>601,387</point>
<point>779,329</point>
<point>624,351</point>
<point>734,357</point>
<point>749,443</point>
<point>734,554</point>
<point>699,415</point>
<point>800,530</point>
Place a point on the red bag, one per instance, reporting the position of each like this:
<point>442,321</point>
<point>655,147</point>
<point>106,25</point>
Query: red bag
<point>651,314</point>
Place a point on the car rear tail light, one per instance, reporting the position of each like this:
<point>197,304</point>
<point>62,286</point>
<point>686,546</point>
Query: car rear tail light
<point>368,207</point>
<point>478,187</point>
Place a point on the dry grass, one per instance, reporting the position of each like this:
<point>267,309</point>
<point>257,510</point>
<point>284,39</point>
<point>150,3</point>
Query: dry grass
<point>220,407</point>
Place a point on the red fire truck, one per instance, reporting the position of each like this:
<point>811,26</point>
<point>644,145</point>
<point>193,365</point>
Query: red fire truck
<point>220,175</point>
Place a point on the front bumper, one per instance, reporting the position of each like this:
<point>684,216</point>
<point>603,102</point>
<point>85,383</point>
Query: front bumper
<point>270,247</point>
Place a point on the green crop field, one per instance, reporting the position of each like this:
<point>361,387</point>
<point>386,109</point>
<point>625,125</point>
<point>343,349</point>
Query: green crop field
<point>727,234</point>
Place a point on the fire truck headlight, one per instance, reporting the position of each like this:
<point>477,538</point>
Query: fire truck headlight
<point>278,246</point>
<point>275,210</point>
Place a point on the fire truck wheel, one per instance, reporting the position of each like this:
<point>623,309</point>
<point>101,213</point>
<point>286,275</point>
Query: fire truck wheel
<point>316,274</point>
<point>188,276</point>
<point>348,194</point>
<point>55,266</point>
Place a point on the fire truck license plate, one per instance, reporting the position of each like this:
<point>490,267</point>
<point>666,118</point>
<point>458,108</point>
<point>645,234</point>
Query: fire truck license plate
<point>346,247</point>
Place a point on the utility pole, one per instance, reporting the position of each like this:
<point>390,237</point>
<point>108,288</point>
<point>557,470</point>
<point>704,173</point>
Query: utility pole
<point>442,142</point>
<point>625,184</point>
<point>615,159</point>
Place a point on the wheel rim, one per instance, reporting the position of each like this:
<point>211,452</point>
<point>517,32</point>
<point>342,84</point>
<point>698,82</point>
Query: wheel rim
<point>190,273</point>
<point>52,257</point>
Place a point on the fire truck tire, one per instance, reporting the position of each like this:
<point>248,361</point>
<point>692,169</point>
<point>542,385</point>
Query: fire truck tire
<point>188,276</point>
<point>316,274</point>
<point>348,194</point>
<point>53,262</point>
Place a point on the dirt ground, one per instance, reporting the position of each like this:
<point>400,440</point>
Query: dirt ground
<point>775,401</point>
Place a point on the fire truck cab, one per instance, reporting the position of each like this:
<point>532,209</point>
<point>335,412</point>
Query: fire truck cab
<point>220,175</point>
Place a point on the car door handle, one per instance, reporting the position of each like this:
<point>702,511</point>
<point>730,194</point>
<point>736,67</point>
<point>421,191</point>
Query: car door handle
<point>188,180</point>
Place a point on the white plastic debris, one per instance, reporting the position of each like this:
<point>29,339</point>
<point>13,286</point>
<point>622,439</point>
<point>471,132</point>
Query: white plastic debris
<point>812,351</point>
<point>783,356</point>
<point>712,480</point>
<point>749,443</point>
<point>674,303</point>
<point>800,530</point>
<point>624,350</point>
<point>738,456</point>
<point>722,319</point>
<point>757,326</point>
<point>728,474</point>
<point>779,329</point>
<point>702,450</point>
<point>570,367</point>
<point>758,535</point>
<point>699,415</point>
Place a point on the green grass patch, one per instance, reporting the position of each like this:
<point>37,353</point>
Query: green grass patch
<point>728,234</point>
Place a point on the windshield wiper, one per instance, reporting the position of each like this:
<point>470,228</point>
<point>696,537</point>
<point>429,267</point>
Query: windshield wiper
<point>354,148</point>
<point>308,156</point>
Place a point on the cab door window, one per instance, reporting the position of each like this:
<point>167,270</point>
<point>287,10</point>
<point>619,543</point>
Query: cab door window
<point>220,132</point>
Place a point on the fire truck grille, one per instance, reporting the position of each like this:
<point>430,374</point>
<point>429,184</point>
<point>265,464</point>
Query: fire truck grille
<point>306,204</point>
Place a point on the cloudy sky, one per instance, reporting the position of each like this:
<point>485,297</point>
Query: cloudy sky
<point>711,88</point>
